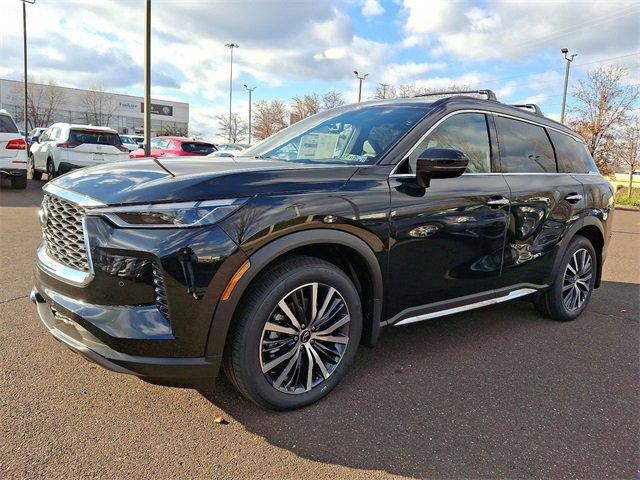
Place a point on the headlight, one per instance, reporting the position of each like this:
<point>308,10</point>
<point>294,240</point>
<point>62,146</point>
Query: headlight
<point>170,215</point>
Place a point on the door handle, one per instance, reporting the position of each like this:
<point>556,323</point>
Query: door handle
<point>497,202</point>
<point>573,197</point>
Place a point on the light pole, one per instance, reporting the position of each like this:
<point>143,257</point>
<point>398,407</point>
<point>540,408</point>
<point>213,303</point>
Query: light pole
<point>24,41</point>
<point>231,46</point>
<point>360,78</point>
<point>384,89</point>
<point>569,59</point>
<point>250,90</point>
<point>147,78</point>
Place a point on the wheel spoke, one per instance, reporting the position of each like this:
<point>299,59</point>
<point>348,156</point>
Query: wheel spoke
<point>274,327</point>
<point>314,303</point>
<point>287,311</point>
<point>333,339</point>
<point>277,361</point>
<point>309,369</point>
<point>319,362</point>
<point>287,369</point>
<point>567,287</point>
<point>325,304</point>
<point>344,320</point>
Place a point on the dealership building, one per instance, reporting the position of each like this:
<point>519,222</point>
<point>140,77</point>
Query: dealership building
<point>124,113</point>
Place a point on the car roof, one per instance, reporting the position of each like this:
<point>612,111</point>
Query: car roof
<point>77,126</point>
<point>183,139</point>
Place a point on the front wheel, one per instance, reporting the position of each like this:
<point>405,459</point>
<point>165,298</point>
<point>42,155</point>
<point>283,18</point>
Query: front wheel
<point>51,170</point>
<point>575,280</point>
<point>296,334</point>
<point>32,172</point>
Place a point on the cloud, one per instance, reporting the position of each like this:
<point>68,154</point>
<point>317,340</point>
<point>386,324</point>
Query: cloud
<point>372,8</point>
<point>401,73</point>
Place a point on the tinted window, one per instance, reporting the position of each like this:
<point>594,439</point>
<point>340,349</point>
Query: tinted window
<point>357,136</point>
<point>7,125</point>
<point>466,132</point>
<point>98,138</point>
<point>199,148</point>
<point>573,156</point>
<point>524,148</point>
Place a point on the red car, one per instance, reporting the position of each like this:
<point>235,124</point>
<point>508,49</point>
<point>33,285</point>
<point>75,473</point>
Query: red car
<point>176,147</point>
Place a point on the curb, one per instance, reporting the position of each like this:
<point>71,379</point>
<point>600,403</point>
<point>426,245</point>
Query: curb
<point>629,208</point>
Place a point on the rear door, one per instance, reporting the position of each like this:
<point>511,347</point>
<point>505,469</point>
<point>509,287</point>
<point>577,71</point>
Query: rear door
<point>447,239</point>
<point>545,203</point>
<point>89,147</point>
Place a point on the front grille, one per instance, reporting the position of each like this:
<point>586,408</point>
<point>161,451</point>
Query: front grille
<point>63,233</point>
<point>161,291</point>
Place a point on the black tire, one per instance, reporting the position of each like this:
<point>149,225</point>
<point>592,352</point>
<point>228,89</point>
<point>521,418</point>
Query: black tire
<point>51,170</point>
<point>19,181</point>
<point>35,174</point>
<point>246,355</point>
<point>557,303</point>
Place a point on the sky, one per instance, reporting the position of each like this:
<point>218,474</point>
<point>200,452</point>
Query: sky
<point>289,48</point>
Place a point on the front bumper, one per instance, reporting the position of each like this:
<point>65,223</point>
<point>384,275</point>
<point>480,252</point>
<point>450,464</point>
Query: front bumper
<point>155,369</point>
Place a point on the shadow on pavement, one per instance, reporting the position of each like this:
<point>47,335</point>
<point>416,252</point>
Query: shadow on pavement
<point>29,197</point>
<point>496,392</point>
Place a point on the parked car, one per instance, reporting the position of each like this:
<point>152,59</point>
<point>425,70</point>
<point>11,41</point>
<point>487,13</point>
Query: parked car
<point>129,143</point>
<point>139,139</point>
<point>34,135</point>
<point>176,147</point>
<point>13,153</point>
<point>228,150</point>
<point>279,264</point>
<point>64,147</point>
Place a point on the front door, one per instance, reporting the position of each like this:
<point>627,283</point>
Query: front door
<point>447,239</point>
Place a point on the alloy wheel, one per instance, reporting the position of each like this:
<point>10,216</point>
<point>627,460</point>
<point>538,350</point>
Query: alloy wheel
<point>304,338</point>
<point>577,280</point>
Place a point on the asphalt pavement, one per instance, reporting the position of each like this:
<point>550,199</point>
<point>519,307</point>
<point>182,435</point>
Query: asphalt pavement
<point>495,393</point>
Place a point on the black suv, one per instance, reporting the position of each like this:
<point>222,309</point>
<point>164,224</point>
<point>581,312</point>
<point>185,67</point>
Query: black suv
<point>278,264</point>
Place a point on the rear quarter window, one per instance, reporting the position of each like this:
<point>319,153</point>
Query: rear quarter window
<point>524,147</point>
<point>199,148</point>
<point>573,156</point>
<point>97,138</point>
<point>7,125</point>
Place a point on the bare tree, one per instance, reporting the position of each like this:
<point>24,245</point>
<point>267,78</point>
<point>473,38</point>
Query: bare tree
<point>100,106</point>
<point>173,130</point>
<point>629,149</point>
<point>411,89</point>
<point>237,127</point>
<point>269,117</point>
<point>384,91</point>
<point>602,103</point>
<point>332,99</point>
<point>305,106</point>
<point>43,101</point>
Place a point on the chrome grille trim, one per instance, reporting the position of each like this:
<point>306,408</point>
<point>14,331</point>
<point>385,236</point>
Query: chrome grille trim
<point>161,291</point>
<point>63,234</point>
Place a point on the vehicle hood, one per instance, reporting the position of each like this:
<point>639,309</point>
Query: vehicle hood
<point>197,178</point>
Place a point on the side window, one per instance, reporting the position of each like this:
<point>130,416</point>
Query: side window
<point>467,132</point>
<point>54,134</point>
<point>45,136</point>
<point>155,143</point>
<point>524,147</point>
<point>573,156</point>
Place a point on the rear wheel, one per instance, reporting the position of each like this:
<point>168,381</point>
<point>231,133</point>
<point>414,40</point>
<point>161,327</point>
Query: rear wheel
<point>51,170</point>
<point>19,181</point>
<point>31,168</point>
<point>296,334</point>
<point>574,282</point>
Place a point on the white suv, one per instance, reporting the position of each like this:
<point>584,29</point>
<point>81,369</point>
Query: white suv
<point>13,152</point>
<point>64,147</point>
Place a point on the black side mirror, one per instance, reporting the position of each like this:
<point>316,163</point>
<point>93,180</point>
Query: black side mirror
<point>440,163</point>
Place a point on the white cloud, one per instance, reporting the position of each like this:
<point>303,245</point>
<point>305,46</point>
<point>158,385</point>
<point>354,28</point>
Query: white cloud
<point>400,73</point>
<point>372,8</point>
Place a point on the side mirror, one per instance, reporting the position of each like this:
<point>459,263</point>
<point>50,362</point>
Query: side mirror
<point>440,163</point>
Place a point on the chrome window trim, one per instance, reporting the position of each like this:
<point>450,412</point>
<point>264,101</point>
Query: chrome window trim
<point>62,272</point>
<point>521,292</point>
<point>73,197</point>
<point>486,112</point>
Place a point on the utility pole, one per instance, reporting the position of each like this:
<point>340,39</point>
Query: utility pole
<point>26,90</point>
<point>384,89</point>
<point>569,59</point>
<point>250,90</point>
<point>147,78</point>
<point>360,78</point>
<point>231,46</point>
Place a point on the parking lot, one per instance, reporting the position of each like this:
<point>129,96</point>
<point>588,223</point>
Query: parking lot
<point>498,392</point>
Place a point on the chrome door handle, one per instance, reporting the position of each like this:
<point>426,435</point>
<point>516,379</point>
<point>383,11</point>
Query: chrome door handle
<point>498,202</point>
<point>573,198</point>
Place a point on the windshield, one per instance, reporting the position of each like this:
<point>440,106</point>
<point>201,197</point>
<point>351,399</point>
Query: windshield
<point>357,136</point>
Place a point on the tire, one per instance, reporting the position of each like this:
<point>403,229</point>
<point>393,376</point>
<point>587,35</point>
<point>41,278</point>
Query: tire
<point>281,381</point>
<point>51,170</point>
<point>35,174</point>
<point>567,298</point>
<point>19,182</point>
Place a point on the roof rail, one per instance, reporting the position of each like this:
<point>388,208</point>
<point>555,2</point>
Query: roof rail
<point>529,106</point>
<point>489,93</point>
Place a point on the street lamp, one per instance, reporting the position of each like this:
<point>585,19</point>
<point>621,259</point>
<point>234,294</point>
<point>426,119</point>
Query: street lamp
<point>147,78</point>
<point>231,46</point>
<point>250,90</point>
<point>24,39</point>
<point>569,59</point>
<point>360,78</point>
